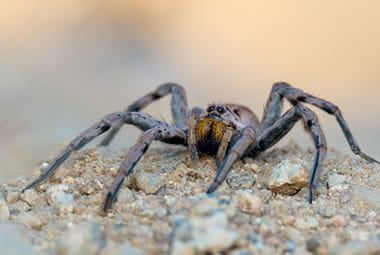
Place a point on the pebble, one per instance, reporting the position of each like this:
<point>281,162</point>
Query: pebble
<point>248,202</point>
<point>14,240</point>
<point>356,248</point>
<point>335,180</point>
<point>13,197</point>
<point>32,221</point>
<point>29,196</point>
<point>312,245</point>
<point>20,207</point>
<point>128,249</point>
<point>307,223</point>
<point>326,210</point>
<point>150,183</point>
<point>293,233</point>
<point>83,239</point>
<point>369,196</point>
<point>4,209</point>
<point>288,177</point>
<point>337,221</point>
<point>61,201</point>
<point>240,180</point>
<point>199,235</point>
<point>206,206</point>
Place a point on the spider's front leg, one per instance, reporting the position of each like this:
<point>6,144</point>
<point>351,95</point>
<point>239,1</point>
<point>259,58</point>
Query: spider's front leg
<point>248,137</point>
<point>165,133</point>
<point>179,107</point>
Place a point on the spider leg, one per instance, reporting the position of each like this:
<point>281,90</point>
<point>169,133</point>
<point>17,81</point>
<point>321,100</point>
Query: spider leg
<point>237,150</point>
<point>226,139</point>
<point>282,126</point>
<point>141,120</point>
<point>282,90</point>
<point>192,132</point>
<point>169,134</point>
<point>179,107</point>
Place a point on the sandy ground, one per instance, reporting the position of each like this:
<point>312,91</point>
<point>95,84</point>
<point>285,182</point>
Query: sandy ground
<point>163,209</point>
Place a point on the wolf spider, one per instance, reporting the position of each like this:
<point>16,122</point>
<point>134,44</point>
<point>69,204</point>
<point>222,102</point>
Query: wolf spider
<point>228,131</point>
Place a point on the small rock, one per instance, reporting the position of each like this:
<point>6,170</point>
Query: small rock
<point>238,181</point>
<point>29,196</point>
<point>4,210</point>
<point>369,196</point>
<point>307,223</point>
<point>337,221</point>
<point>200,235</point>
<point>249,203</point>
<point>325,210</point>
<point>14,240</point>
<point>312,245</point>
<point>61,201</point>
<point>85,238</point>
<point>336,179</point>
<point>356,248</point>
<point>13,197</point>
<point>169,200</point>
<point>150,183</point>
<point>240,252</point>
<point>253,167</point>
<point>21,206</point>
<point>32,221</point>
<point>206,206</point>
<point>288,177</point>
<point>293,233</point>
<point>128,249</point>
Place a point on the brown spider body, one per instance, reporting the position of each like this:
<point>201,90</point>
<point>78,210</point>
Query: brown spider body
<point>228,131</point>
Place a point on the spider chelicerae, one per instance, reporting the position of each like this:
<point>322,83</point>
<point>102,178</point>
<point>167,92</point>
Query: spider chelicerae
<point>228,131</point>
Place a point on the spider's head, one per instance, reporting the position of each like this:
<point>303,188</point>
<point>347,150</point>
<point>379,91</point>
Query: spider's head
<point>222,113</point>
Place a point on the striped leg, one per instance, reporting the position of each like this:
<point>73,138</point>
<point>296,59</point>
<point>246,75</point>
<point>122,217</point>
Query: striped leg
<point>166,133</point>
<point>282,90</point>
<point>179,107</point>
<point>141,120</point>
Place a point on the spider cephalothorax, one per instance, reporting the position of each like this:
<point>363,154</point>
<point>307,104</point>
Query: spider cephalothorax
<point>228,131</point>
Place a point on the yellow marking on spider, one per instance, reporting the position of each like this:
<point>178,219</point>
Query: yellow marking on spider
<point>206,125</point>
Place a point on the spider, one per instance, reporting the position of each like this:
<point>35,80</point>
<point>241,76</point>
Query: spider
<point>227,131</point>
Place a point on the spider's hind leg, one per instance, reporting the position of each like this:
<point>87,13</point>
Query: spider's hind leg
<point>283,125</point>
<point>283,90</point>
<point>141,120</point>
<point>179,107</point>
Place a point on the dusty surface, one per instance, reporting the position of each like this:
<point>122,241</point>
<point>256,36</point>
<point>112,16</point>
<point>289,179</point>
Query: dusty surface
<point>164,209</point>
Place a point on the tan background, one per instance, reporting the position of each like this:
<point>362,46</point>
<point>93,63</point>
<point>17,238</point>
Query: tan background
<point>66,63</point>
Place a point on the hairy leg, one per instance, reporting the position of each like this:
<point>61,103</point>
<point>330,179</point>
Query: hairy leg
<point>164,132</point>
<point>248,137</point>
<point>179,107</point>
<point>192,132</point>
<point>226,139</point>
<point>282,126</point>
<point>141,120</point>
<point>282,90</point>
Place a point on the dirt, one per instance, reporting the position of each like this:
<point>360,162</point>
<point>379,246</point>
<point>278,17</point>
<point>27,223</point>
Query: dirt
<point>163,209</point>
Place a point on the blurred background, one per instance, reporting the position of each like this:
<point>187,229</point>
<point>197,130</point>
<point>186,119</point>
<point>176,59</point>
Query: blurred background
<point>66,63</point>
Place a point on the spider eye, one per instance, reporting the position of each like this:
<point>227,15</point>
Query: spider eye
<point>211,108</point>
<point>220,109</point>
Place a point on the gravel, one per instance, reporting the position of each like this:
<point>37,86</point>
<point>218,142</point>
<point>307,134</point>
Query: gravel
<point>163,208</point>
